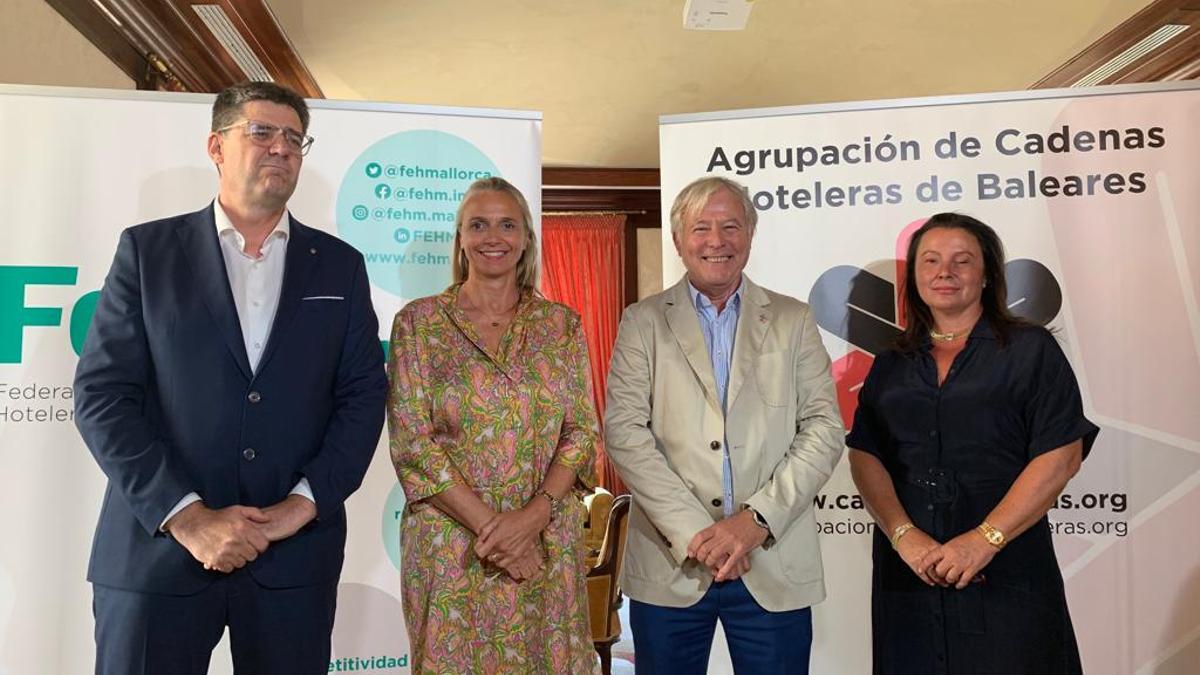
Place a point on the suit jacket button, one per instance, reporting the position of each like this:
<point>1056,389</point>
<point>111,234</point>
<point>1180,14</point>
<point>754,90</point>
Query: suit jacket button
<point>716,501</point>
<point>249,454</point>
<point>715,445</point>
<point>254,397</point>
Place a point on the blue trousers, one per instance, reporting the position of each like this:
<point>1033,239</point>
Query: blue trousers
<point>270,630</point>
<point>677,640</point>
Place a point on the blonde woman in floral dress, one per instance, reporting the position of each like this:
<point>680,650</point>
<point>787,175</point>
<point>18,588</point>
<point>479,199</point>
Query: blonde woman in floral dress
<point>493,436</point>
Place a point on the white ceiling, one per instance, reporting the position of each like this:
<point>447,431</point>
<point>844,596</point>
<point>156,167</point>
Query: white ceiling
<point>603,71</point>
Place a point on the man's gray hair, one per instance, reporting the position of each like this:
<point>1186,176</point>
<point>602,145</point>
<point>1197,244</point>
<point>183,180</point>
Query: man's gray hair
<point>693,198</point>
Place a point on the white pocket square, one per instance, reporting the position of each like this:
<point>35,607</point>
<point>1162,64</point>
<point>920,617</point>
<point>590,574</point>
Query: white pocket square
<point>324,297</point>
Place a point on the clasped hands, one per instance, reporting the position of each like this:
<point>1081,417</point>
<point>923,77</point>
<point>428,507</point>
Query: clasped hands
<point>956,563</point>
<point>512,540</point>
<point>224,540</point>
<point>724,547</point>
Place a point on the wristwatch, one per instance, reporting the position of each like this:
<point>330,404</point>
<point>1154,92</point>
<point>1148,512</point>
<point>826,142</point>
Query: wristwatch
<point>762,522</point>
<point>994,537</point>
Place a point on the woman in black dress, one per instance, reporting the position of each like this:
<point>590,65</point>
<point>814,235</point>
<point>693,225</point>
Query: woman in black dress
<point>965,434</point>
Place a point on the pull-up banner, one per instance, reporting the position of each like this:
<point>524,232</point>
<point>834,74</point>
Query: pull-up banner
<point>1095,195</point>
<point>78,166</point>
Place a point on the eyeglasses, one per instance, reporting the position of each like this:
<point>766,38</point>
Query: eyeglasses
<point>263,134</point>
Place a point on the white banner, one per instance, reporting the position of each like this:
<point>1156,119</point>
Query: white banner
<point>1094,193</point>
<point>78,166</point>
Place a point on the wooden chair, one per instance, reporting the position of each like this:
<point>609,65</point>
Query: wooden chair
<point>604,583</point>
<point>599,506</point>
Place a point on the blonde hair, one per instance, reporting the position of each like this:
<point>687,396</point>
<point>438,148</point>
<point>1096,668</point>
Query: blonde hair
<point>527,266</point>
<point>694,197</point>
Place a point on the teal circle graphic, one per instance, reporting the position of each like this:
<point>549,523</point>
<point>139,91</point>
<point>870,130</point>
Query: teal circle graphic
<point>393,511</point>
<point>396,205</point>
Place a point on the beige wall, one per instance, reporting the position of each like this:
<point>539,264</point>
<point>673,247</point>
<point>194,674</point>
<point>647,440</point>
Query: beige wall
<point>38,46</point>
<point>649,261</point>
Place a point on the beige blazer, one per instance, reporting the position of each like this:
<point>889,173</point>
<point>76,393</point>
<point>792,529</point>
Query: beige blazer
<point>664,428</point>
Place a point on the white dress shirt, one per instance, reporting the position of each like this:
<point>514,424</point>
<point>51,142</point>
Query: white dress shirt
<point>256,282</point>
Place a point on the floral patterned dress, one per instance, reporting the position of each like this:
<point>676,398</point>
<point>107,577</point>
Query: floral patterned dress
<point>494,422</point>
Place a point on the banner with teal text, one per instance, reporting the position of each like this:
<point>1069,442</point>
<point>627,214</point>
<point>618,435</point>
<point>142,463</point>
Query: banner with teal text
<point>77,167</point>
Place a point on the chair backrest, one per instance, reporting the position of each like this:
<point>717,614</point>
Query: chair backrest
<point>604,580</point>
<point>599,506</point>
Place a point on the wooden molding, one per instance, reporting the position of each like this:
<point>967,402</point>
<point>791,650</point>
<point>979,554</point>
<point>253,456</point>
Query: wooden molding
<point>1179,59</point>
<point>559,176</point>
<point>163,44</point>
<point>634,191</point>
<point>110,39</point>
<point>600,199</point>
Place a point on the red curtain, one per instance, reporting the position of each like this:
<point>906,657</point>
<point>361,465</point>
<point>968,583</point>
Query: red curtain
<point>584,268</point>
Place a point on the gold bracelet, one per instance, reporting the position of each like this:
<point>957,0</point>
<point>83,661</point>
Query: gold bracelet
<point>900,531</point>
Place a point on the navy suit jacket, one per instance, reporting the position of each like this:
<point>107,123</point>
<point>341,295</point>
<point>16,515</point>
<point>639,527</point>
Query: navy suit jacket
<point>167,403</point>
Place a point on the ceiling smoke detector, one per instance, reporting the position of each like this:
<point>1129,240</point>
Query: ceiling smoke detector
<point>716,14</point>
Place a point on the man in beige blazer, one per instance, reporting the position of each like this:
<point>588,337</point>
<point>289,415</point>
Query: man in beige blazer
<point>722,419</point>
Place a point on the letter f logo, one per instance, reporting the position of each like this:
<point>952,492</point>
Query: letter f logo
<point>14,315</point>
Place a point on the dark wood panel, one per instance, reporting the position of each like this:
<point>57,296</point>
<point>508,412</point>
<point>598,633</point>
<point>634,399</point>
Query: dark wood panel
<point>1176,61</point>
<point>107,37</point>
<point>1179,59</point>
<point>157,29</point>
<point>602,199</point>
<point>256,24</point>
<point>164,44</point>
<point>598,177</point>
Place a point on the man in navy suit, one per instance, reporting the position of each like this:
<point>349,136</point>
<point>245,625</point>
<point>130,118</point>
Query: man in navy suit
<point>232,389</point>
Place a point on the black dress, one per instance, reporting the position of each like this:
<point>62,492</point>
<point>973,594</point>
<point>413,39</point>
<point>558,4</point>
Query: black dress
<point>953,452</point>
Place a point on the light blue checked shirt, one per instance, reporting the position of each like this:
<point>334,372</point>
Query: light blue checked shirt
<point>719,330</point>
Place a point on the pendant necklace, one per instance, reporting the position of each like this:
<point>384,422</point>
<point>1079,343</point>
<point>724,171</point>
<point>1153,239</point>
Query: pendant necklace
<point>944,337</point>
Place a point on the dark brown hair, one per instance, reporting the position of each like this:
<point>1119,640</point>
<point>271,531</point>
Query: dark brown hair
<point>227,108</point>
<point>918,320</point>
